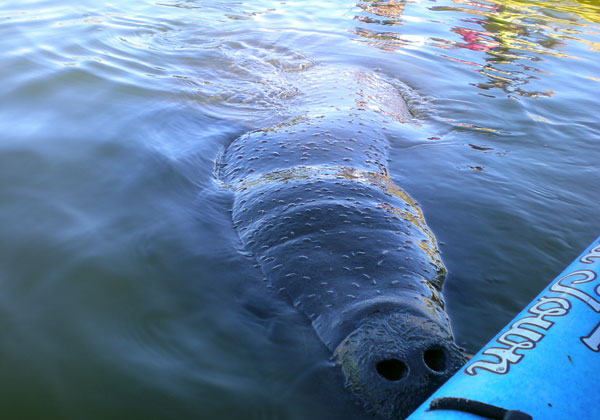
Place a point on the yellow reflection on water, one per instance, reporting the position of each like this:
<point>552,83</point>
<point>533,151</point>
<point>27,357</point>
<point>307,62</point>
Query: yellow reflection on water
<point>516,32</point>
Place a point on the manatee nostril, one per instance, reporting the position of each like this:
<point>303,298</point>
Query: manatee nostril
<point>392,369</point>
<point>435,359</point>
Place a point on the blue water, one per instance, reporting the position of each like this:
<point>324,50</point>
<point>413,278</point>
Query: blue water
<point>124,290</point>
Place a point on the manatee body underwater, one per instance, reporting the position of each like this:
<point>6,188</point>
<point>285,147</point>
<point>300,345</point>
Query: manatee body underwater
<point>314,204</point>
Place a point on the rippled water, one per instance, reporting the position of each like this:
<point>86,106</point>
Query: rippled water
<point>124,290</point>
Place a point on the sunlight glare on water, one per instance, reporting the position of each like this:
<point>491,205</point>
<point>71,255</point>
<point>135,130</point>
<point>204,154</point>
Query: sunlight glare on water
<point>125,290</point>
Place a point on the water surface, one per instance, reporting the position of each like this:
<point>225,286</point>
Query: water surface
<point>125,292</point>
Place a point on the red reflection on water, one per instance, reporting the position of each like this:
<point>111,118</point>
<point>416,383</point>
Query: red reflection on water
<point>476,40</point>
<point>510,36</point>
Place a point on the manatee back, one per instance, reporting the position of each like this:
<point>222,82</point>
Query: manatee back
<point>315,206</point>
<point>351,250</point>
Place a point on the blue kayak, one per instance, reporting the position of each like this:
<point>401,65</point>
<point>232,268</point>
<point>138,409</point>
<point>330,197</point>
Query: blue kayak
<point>545,364</point>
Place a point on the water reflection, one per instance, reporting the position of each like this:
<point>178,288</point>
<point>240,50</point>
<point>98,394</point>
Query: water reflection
<point>509,36</point>
<point>386,12</point>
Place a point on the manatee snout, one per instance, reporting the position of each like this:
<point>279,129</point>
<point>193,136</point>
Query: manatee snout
<point>395,361</point>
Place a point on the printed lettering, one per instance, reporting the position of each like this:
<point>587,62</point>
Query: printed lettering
<point>575,278</point>
<point>592,341</point>
<point>521,335</point>
<point>594,254</point>
<point>504,358</point>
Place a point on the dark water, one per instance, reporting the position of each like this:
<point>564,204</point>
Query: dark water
<point>124,292</point>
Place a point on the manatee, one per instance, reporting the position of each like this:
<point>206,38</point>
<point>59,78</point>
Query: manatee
<point>316,207</point>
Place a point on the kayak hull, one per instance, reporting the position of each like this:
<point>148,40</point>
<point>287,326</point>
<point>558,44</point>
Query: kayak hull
<point>546,361</point>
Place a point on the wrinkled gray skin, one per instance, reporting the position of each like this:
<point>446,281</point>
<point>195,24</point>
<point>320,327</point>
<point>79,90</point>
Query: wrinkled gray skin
<point>329,229</point>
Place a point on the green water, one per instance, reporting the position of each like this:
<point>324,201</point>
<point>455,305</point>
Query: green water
<point>124,291</point>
